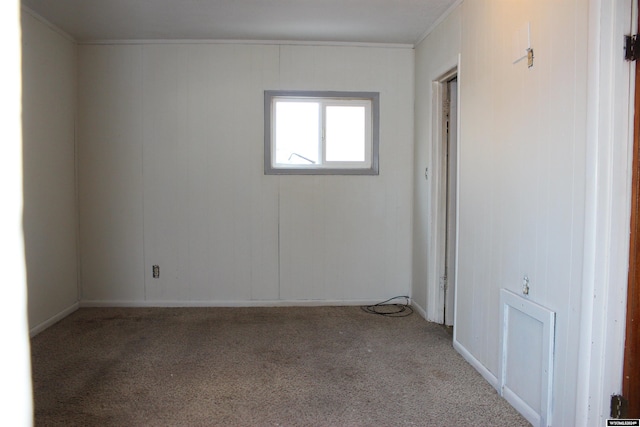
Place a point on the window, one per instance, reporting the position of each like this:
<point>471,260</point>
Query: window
<point>318,133</point>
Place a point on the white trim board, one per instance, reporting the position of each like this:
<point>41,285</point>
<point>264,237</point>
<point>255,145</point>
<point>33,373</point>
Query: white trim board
<point>608,207</point>
<point>217,303</point>
<point>435,295</point>
<point>478,366</point>
<point>418,309</point>
<point>246,42</point>
<point>439,21</point>
<point>46,22</point>
<point>53,320</point>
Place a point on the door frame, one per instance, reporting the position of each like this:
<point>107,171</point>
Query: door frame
<point>450,169</point>
<point>609,147</point>
<point>631,371</point>
<point>436,291</point>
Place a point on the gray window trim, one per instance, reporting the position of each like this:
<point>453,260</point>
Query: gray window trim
<point>374,97</point>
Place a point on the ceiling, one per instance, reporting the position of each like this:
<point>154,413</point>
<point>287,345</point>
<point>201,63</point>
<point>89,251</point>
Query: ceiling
<point>350,21</point>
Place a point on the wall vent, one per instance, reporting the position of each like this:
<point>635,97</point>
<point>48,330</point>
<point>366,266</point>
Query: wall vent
<point>527,338</point>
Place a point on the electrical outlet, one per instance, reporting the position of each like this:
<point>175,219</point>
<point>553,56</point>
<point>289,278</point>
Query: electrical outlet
<point>156,271</point>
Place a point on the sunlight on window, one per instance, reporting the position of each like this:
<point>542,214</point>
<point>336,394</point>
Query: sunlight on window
<point>321,133</point>
<point>296,127</point>
<point>345,134</point>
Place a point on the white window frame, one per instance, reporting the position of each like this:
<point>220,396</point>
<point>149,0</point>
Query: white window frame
<point>371,102</point>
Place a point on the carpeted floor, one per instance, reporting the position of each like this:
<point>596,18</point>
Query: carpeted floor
<point>293,366</point>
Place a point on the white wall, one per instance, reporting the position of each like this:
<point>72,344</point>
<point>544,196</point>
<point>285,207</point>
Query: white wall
<point>522,172</point>
<point>50,219</point>
<point>170,173</point>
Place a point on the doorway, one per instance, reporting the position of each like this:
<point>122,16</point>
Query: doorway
<point>451,155</point>
<point>445,186</point>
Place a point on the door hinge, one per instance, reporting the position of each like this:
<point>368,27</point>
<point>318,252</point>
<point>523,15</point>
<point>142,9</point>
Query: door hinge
<point>444,283</point>
<point>631,48</point>
<point>619,406</point>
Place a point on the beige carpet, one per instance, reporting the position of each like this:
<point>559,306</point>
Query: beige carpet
<point>311,366</point>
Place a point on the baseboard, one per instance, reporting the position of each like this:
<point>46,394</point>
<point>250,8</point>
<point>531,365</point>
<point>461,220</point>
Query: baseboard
<point>523,407</point>
<point>421,311</point>
<point>53,320</point>
<point>486,374</point>
<point>249,303</point>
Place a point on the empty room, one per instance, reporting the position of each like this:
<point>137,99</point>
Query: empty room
<point>321,212</point>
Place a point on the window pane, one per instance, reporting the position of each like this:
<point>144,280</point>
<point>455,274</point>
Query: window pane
<point>321,132</point>
<point>345,134</point>
<point>296,132</point>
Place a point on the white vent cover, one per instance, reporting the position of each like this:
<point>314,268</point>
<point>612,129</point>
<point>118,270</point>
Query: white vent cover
<point>526,363</point>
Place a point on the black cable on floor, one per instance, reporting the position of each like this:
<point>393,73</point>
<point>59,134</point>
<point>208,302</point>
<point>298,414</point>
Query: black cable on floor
<point>390,310</point>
